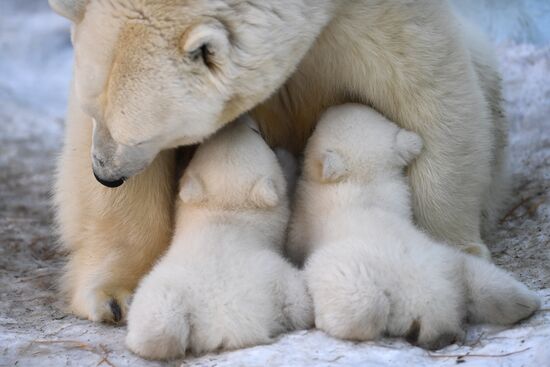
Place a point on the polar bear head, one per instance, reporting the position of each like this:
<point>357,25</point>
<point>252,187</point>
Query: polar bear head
<point>355,143</point>
<point>159,74</point>
<point>234,169</point>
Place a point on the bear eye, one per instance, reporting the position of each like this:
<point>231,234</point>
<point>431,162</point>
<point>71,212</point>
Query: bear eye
<point>203,54</point>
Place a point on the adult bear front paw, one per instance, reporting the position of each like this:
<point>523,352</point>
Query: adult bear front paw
<point>101,305</point>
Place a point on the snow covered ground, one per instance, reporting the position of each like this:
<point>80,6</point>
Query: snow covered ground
<point>35,64</point>
<point>510,20</point>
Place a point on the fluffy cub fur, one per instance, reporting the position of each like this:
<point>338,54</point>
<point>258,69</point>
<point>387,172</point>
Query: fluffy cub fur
<point>223,283</point>
<point>371,271</point>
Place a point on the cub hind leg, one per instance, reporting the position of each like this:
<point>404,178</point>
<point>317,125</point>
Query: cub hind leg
<point>347,301</point>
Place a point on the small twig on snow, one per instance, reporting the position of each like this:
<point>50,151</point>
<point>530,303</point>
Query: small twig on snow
<point>523,201</point>
<point>462,356</point>
<point>37,276</point>
<point>105,355</point>
<point>102,351</point>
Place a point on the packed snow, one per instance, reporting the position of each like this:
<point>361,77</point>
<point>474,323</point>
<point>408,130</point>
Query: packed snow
<point>35,330</point>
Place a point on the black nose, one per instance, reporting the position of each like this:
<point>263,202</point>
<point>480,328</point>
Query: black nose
<point>115,183</point>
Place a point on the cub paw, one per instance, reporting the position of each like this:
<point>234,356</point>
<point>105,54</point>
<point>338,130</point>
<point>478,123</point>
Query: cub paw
<point>433,337</point>
<point>442,340</point>
<point>430,320</point>
<point>346,300</point>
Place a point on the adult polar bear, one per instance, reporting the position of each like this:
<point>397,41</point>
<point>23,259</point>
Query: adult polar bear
<point>154,75</point>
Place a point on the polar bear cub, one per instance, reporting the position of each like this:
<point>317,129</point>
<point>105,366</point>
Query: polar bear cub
<point>371,271</point>
<point>223,283</point>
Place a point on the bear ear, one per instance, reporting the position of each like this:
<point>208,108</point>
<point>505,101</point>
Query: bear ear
<point>71,9</point>
<point>408,145</point>
<point>264,193</point>
<point>210,38</point>
<point>332,167</point>
<point>191,190</point>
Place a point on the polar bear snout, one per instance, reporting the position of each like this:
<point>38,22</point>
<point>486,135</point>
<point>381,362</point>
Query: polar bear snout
<point>112,171</point>
<point>114,162</point>
<point>112,165</point>
<point>103,172</point>
<point>110,183</point>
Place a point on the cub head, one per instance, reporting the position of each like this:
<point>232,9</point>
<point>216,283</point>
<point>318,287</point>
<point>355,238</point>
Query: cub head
<point>153,75</point>
<point>354,142</point>
<point>234,169</point>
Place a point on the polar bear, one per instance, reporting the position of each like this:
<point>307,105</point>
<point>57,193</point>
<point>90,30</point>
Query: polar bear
<point>153,75</point>
<point>223,283</point>
<point>369,270</point>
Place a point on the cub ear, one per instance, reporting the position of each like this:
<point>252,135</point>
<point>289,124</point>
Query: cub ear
<point>408,145</point>
<point>191,190</point>
<point>71,9</point>
<point>264,193</point>
<point>332,167</point>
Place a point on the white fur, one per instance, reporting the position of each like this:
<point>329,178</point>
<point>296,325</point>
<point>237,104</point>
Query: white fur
<point>139,76</point>
<point>71,9</point>
<point>223,283</point>
<point>371,271</point>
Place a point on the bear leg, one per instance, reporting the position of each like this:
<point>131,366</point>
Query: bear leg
<point>113,235</point>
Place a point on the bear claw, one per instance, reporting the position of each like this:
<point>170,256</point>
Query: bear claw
<point>116,310</point>
<point>100,306</point>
